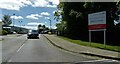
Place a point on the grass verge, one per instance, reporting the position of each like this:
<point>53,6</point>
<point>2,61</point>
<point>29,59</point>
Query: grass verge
<point>1,39</point>
<point>91,44</point>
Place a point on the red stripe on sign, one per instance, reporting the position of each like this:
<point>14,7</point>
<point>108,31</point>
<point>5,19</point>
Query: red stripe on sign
<point>97,26</point>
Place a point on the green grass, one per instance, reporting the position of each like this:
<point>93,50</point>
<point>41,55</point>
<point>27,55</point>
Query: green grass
<point>91,44</point>
<point>1,39</point>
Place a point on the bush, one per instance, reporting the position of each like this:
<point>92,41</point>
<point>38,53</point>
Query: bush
<point>0,32</point>
<point>4,32</point>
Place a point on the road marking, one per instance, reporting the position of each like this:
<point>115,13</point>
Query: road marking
<point>9,60</point>
<point>104,60</point>
<point>20,48</point>
<point>114,60</point>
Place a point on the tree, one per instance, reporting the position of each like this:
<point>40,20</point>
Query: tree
<point>42,28</point>
<point>39,28</point>
<point>61,27</point>
<point>6,20</point>
<point>59,12</point>
<point>75,14</point>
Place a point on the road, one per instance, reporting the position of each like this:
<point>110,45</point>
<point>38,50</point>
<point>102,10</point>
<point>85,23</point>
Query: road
<point>10,45</point>
<point>21,49</point>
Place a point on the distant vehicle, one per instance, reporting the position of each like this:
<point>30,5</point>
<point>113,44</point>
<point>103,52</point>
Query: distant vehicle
<point>45,32</point>
<point>14,32</point>
<point>32,34</point>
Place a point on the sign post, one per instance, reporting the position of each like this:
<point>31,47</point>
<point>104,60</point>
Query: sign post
<point>105,38</point>
<point>97,22</point>
<point>90,37</point>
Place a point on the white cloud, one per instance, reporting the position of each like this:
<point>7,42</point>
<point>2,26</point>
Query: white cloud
<point>31,17</point>
<point>0,20</point>
<point>47,18</point>
<point>34,16</point>
<point>26,2</point>
<point>37,16</point>
<point>17,4</point>
<point>55,2</point>
<point>46,3</point>
<point>53,12</point>
<point>52,6</point>
<point>45,14</point>
<point>54,27</point>
<point>13,4</point>
<point>17,17</point>
<point>40,3</point>
<point>30,27</point>
<point>45,22</point>
<point>33,25</point>
<point>14,25</point>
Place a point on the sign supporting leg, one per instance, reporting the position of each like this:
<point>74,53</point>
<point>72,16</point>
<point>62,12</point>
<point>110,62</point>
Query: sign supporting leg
<point>90,37</point>
<point>105,38</point>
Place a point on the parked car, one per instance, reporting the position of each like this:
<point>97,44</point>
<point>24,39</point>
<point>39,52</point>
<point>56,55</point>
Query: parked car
<point>32,34</point>
<point>14,32</point>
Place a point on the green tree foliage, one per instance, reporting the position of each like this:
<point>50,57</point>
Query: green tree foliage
<point>59,12</point>
<point>118,5</point>
<point>4,32</point>
<point>6,20</point>
<point>75,16</point>
<point>61,27</point>
<point>42,28</point>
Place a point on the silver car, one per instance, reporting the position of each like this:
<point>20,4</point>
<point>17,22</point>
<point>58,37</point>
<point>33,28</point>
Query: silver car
<point>32,34</point>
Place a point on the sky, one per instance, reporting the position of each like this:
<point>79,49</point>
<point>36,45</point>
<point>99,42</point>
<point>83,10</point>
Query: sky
<point>31,13</point>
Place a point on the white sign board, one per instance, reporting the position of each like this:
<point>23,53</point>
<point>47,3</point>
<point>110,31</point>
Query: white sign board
<point>97,20</point>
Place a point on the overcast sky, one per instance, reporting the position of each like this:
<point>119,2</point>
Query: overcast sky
<point>30,12</point>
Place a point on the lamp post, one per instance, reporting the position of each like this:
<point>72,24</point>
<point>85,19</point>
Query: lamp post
<point>50,23</point>
<point>50,27</point>
<point>13,21</point>
<point>20,25</point>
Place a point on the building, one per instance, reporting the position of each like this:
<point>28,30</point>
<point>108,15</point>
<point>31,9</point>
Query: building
<point>16,29</point>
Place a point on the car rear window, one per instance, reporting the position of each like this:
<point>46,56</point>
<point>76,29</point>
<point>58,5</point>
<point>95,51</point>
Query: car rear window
<point>33,31</point>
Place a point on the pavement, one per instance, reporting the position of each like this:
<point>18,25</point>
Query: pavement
<point>75,48</point>
<point>3,37</point>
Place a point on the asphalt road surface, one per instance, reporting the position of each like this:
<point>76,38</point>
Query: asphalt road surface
<point>21,49</point>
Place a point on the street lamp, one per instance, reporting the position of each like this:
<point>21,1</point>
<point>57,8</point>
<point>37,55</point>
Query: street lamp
<point>20,25</point>
<point>13,20</point>
<point>50,23</point>
<point>50,27</point>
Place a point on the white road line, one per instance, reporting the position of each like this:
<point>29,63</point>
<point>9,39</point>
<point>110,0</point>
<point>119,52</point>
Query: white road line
<point>9,60</point>
<point>115,60</point>
<point>17,51</point>
<point>104,60</point>
<point>20,48</point>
